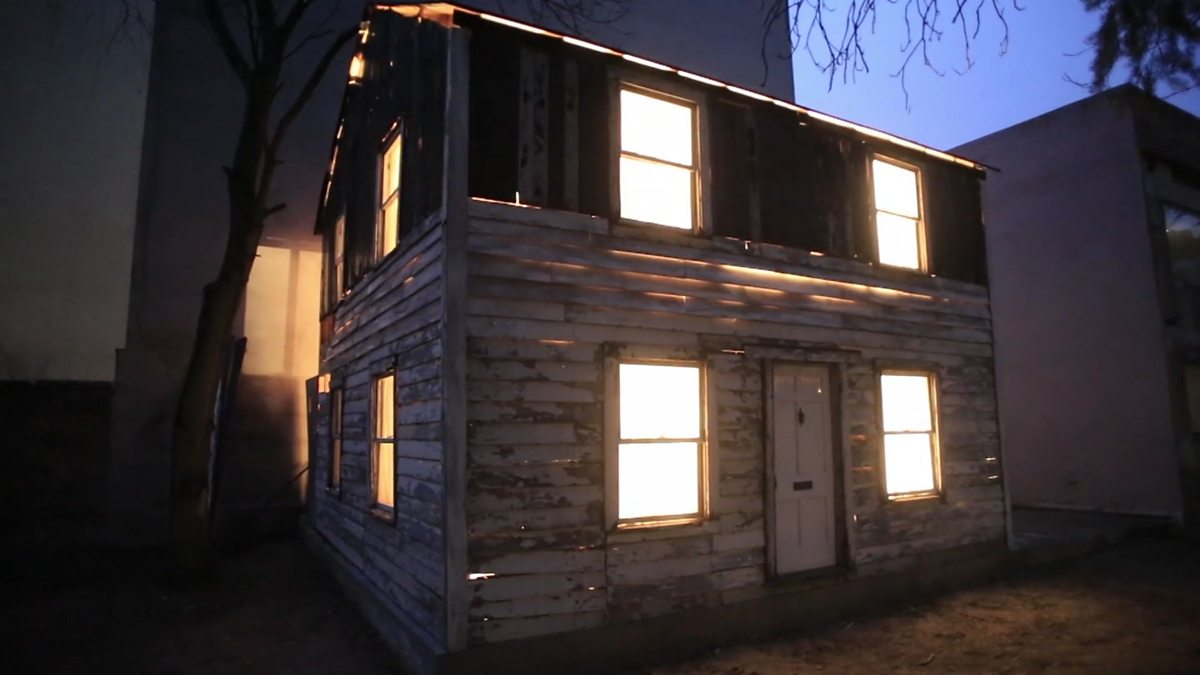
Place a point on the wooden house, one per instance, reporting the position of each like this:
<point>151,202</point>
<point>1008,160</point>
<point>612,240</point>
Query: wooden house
<point>619,361</point>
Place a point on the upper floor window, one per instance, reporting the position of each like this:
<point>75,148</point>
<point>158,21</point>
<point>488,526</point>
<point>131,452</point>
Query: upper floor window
<point>909,433</point>
<point>387,228</point>
<point>899,231</point>
<point>339,258</point>
<point>658,166</point>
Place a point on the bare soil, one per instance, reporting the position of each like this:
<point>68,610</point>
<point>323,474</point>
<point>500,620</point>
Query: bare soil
<point>1135,609</point>
<point>1131,610</point>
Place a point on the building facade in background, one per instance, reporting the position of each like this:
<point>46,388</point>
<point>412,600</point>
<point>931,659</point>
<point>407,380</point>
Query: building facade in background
<point>1092,245</point>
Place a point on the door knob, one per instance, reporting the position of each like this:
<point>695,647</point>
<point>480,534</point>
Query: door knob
<point>800,415</point>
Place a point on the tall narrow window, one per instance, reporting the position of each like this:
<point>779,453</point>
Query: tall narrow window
<point>339,258</point>
<point>909,433</point>
<point>334,477</point>
<point>658,159</point>
<point>660,451</point>
<point>383,440</point>
<point>899,234</point>
<point>387,229</point>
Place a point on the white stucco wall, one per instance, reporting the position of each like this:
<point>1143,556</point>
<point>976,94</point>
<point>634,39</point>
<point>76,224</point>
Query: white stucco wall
<point>1080,357</point>
<point>73,86</point>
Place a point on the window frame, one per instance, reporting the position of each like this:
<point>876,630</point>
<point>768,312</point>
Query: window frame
<point>377,443</point>
<point>706,443</point>
<point>935,454</point>
<point>671,92</point>
<point>382,203</point>
<point>922,234</point>
<point>338,256</point>
<point>337,425</point>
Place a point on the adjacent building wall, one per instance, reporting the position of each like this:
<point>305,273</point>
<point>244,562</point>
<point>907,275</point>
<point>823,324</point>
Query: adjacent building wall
<point>1080,358</point>
<point>74,83</point>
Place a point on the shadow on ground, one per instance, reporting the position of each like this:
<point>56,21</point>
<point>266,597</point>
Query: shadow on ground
<point>273,610</point>
<point>1132,609</point>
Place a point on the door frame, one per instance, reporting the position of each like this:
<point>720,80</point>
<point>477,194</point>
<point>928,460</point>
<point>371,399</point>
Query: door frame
<point>836,377</point>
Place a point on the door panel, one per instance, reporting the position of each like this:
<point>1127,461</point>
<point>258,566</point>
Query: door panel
<point>805,531</point>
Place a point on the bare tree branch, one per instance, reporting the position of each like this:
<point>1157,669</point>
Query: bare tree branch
<point>292,111</point>
<point>836,37</point>
<point>220,28</point>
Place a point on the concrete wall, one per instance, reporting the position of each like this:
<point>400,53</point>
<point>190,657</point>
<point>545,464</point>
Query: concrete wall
<point>74,83</point>
<point>191,118</point>
<point>1080,358</point>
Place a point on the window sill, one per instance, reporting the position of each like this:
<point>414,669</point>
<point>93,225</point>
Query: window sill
<point>631,533</point>
<point>919,498</point>
<point>626,226</point>
<point>383,513</point>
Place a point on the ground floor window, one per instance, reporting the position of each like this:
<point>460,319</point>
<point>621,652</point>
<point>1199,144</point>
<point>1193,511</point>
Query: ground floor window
<point>383,440</point>
<point>910,452</point>
<point>334,476</point>
<point>660,445</point>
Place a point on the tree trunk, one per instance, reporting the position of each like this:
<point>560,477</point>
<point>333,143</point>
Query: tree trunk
<point>191,556</point>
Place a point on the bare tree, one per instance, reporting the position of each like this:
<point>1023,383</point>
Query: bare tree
<point>834,37</point>
<point>1159,40</point>
<point>270,37</point>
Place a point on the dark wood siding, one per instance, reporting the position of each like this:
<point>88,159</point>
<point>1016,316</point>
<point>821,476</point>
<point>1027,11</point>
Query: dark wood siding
<point>410,91</point>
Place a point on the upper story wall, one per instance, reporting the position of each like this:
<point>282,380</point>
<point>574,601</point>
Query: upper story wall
<point>546,127</point>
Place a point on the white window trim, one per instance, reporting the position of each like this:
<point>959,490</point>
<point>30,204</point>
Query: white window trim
<point>707,445</point>
<point>934,436</point>
<point>922,235</point>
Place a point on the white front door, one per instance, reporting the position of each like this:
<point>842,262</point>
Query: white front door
<point>805,532</point>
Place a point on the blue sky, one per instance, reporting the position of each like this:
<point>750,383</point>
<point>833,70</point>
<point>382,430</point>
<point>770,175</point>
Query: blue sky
<point>997,92</point>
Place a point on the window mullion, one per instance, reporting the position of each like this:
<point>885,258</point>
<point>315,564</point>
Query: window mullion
<point>657,160</point>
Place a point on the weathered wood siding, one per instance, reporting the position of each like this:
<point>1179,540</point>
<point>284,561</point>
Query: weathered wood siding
<point>548,290</point>
<point>393,320</point>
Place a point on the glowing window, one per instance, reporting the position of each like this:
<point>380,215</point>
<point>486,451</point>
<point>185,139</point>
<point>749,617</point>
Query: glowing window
<point>358,66</point>
<point>383,440</point>
<point>339,257</point>
<point>334,477</point>
<point>661,441</point>
<point>658,159</point>
<point>387,229</point>
<point>898,228</point>
<point>909,437</point>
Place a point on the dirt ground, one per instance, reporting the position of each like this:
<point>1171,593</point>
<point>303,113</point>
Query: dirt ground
<point>1131,610</point>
